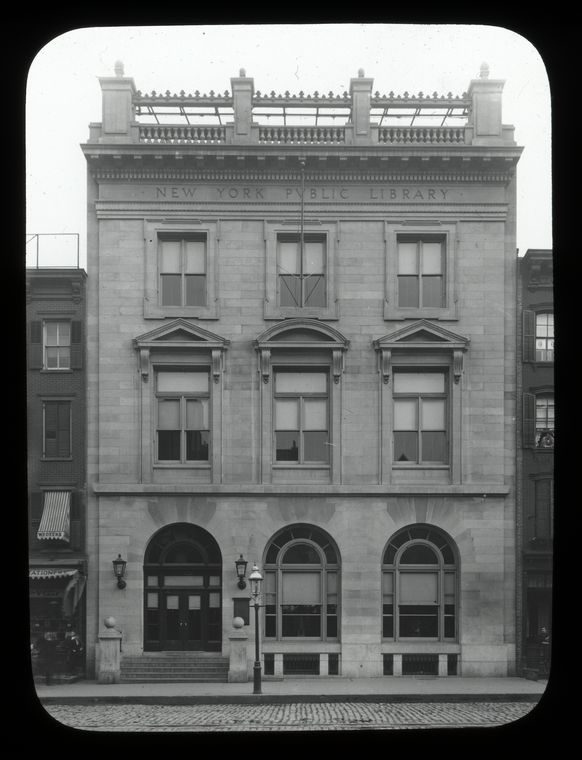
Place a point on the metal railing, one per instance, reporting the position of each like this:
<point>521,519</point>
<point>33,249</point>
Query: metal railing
<point>52,246</point>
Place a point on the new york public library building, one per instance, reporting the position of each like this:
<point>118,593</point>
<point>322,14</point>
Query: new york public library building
<point>301,328</point>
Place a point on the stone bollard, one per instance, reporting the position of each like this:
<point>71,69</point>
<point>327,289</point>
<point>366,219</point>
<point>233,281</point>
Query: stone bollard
<point>109,663</point>
<point>238,668</point>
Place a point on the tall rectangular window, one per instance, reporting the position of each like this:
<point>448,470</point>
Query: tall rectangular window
<point>301,270</point>
<point>543,503</point>
<point>545,337</point>
<point>545,421</point>
<point>57,345</point>
<point>420,417</point>
<point>388,605</point>
<point>419,608</point>
<point>301,417</point>
<point>421,280</point>
<point>301,604</point>
<point>57,429</point>
<point>183,416</point>
<point>183,269</point>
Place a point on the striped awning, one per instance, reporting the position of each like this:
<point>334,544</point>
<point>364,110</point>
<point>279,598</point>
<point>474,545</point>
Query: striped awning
<point>55,522</point>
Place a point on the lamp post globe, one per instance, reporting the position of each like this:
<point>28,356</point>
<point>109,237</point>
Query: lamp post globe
<point>256,580</point>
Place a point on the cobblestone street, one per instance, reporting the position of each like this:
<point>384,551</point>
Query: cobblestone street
<point>293,716</point>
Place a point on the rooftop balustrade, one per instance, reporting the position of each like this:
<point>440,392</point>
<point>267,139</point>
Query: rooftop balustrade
<point>359,117</point>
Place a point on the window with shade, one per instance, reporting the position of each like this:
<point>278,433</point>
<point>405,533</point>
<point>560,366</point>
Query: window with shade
<point>183,271</point>
<point>301,270</point>
<point>57,430</point>
<point>419,582</point>
<point>545,421</point>
<point>421,275</point>
<point>301,586</point>
<point>301,416</point>
<point>420,417</point>
<point>543,517</point>
<point>544,337</point>
<point>182,416</point>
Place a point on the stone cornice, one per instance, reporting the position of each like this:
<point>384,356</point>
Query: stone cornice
<point>250,175</point>
<point>199,489</point>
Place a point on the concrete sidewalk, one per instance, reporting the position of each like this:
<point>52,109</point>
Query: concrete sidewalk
<point>317,689</point>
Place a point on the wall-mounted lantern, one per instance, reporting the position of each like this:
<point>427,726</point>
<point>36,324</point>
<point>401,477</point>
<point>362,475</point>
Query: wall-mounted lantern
<point>241,569</point>
<point>119,566</point>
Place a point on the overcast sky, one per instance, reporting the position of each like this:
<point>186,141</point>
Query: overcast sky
<point>64,96</point>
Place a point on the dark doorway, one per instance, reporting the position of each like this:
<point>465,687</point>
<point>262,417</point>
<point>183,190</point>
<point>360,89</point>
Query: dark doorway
<point>183,591</point>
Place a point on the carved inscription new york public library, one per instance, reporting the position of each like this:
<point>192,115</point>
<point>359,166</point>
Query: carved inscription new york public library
<point>283,193</point>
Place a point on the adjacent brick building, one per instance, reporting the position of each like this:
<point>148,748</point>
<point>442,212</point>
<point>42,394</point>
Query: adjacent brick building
<point>301,336</point>
<point>535,460</point>
<point>55,312</point>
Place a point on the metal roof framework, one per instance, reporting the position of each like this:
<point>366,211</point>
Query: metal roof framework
<point>298,111</point>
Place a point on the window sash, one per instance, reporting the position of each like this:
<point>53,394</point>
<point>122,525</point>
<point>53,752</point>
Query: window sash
<point>545,413</point>
<point>301,420</point>
<point>183,271</point>
<point>57,345</point>
<point>420,430</point>
<point>421,282</point>
<point>301,278</point>
<point>301,604</point>
<point>412,608</point>
<point>57,432</point>
<point>543,508</point>
<point>182,417</point>
<point>544,337</point>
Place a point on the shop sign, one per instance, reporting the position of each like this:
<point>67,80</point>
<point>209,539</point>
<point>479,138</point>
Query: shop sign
<point>41,573</point>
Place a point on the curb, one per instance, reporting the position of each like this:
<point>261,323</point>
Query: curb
<point>289,698</point>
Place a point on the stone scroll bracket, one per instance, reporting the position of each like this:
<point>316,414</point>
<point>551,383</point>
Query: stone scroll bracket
<point>338,364</point>
<point>217,364</point>
<point>144,364</point>
<point>265,364</point>
<point>457,365</point>
<point>385,364</point>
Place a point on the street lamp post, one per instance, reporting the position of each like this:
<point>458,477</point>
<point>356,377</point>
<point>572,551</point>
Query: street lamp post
<point>256,579</point>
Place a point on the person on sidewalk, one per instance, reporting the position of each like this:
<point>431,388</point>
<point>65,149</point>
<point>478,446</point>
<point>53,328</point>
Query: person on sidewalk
<point>73,650</point>
<point>544,641</point>
<point>46,647</point>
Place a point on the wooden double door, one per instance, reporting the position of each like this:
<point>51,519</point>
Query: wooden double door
<point>183,612</point>
<point>190,620</point>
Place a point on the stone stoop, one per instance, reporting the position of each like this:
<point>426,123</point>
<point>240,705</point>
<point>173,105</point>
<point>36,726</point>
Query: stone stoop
<point>174,667</point>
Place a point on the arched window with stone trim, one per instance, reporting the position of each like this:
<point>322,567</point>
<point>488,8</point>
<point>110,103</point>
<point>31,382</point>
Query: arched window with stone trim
<point>301,363</point>
<point>419,586</point>
<point>302,575</point>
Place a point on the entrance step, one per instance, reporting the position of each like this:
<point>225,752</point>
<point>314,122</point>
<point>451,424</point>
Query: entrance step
<point>174,667</point>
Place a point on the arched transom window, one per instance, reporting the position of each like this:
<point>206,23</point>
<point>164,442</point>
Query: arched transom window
<point>301,585</point>
<point>419,582</point>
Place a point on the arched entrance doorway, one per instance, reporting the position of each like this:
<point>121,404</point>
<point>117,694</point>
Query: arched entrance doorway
<point>183,590</point>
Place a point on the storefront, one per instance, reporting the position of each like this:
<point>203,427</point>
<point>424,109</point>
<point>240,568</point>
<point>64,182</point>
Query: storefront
<point>57,611</point>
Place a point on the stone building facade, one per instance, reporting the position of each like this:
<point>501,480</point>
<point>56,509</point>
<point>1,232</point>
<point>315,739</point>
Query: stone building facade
<point>301,338</point>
